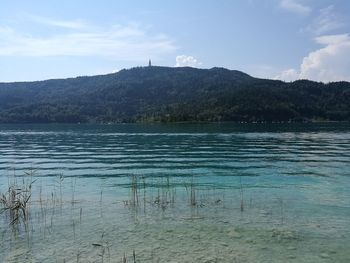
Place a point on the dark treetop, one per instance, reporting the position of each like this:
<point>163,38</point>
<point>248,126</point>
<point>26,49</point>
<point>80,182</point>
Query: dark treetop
<point>150,94</point>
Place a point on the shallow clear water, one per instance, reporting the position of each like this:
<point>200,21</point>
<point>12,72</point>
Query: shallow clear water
<point>179,193</point>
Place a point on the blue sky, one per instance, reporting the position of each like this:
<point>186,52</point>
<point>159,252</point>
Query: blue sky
<point>281,39</point>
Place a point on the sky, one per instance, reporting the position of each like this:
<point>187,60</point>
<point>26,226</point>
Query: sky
<point>277,39</point>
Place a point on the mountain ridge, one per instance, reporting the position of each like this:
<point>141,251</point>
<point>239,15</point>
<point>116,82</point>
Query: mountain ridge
<point>153,94</point>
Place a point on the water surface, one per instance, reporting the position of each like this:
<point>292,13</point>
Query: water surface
<point>179,193</point>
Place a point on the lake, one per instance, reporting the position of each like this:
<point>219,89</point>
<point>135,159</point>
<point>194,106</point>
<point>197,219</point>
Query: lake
<point>177,192</point>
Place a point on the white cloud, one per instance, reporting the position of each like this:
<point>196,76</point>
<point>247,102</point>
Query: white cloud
<point>330,63</point>
<point>295,6</point>
<point>187,61</point>
<point>332,39</point>
<point>69,24</point>
<point>124,42</point>
<point>288,75</point>
<point>326,21</point>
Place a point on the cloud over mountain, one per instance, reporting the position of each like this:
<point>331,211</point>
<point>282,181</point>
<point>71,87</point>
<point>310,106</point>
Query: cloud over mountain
<point>187,61</point>
<point>329,63</point>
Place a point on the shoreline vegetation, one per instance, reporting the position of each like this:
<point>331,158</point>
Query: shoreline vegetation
<point>33,213</point>
<point>173,95</point>
<point>156,202</point>
<point>27,209</point>
<point>188,122</point>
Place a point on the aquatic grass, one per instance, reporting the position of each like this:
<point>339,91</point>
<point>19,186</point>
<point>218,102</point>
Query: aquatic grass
<point>166,193</point>
<point>161,185</point>
<point>241,194</point>
<point>196,196</point>
<point>125,258</point>
<point>193,201</point>
<point>134,190</point>
<point>139,188</point>
<point>191,192</point>
<point>280,201</point>
<point>74,183</point>
<point>144,193</point>
<point>60,181</point>
<point>15,202</point>
<point>104,247</point>
<point>15,205</point>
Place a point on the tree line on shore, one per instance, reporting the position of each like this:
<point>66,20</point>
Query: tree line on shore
<point>163,94</point>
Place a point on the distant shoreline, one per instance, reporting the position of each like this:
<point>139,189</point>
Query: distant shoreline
<point>178,122</point>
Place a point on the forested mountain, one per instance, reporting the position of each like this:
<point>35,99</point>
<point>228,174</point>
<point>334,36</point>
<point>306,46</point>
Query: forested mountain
<point>150,94</point>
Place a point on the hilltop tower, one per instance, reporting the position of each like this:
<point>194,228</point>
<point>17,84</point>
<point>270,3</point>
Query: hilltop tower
<point>149,63</point>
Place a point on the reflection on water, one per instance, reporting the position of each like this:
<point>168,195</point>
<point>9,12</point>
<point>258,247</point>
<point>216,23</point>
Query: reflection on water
<point>175,193</point>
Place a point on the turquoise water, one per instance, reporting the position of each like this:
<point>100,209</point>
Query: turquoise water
<point>178,193</point>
